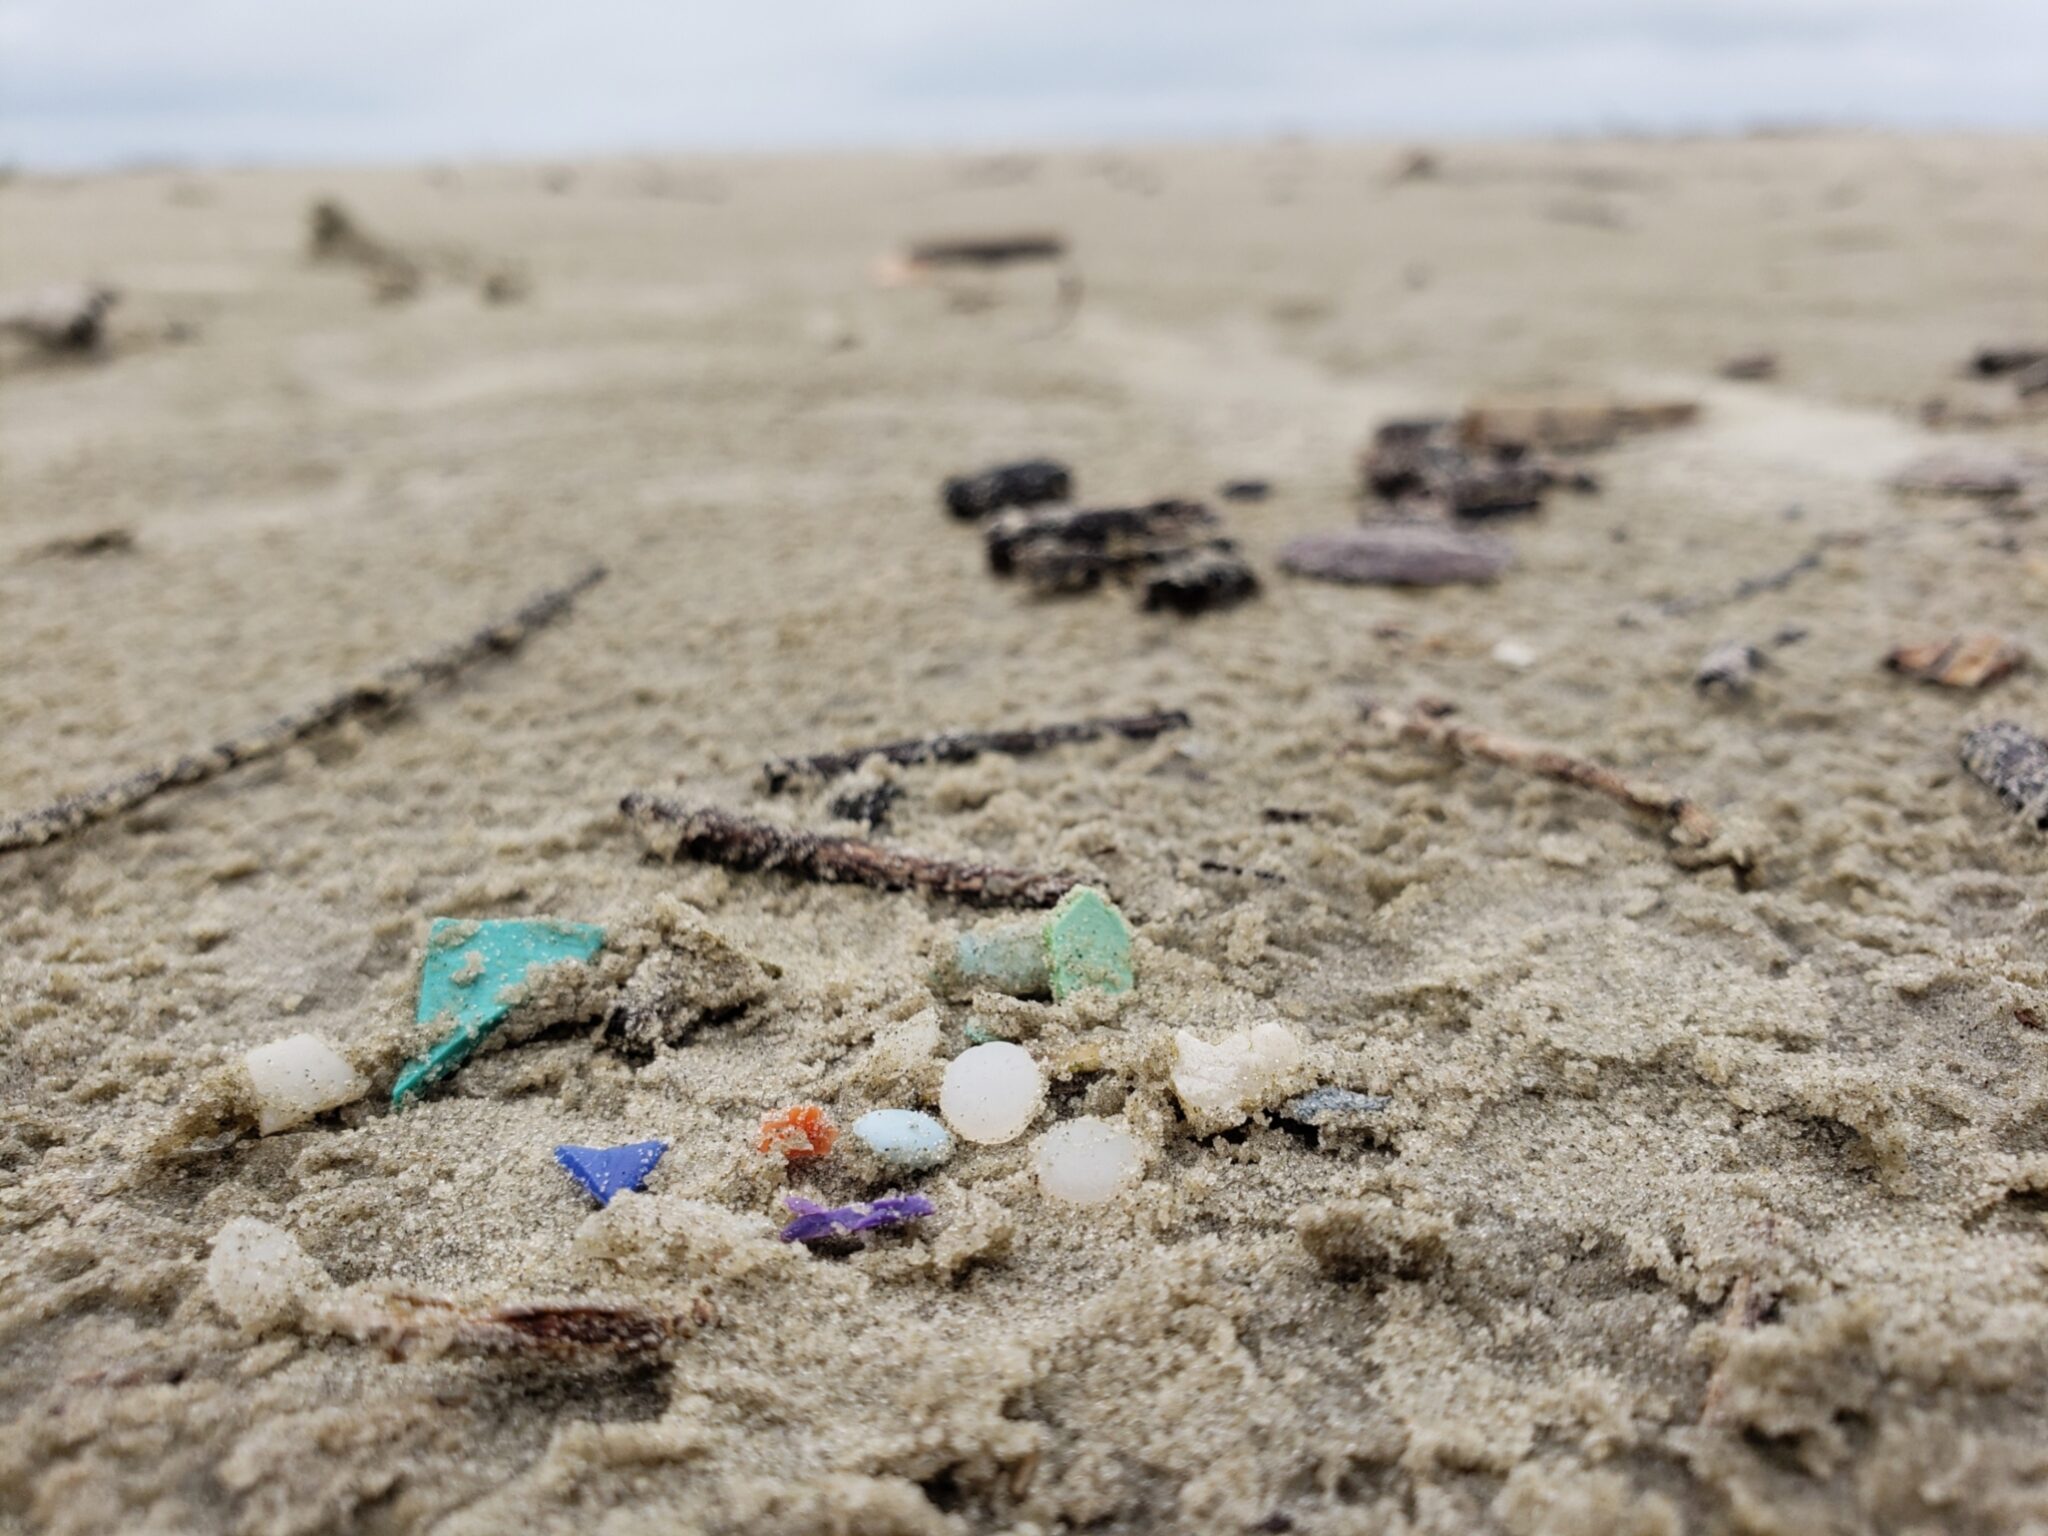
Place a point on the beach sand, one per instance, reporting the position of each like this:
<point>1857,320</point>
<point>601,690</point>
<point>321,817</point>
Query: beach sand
<point>1701,1204</point>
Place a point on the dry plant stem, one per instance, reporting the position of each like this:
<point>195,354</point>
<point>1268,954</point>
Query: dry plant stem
<point>965,746</point>
<point>381,694</point>
<point>718,836</point>
<point>1687,824</point>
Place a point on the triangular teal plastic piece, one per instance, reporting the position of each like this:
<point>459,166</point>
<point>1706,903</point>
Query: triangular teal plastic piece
<point>470,970</point>
<point>604,1171</point>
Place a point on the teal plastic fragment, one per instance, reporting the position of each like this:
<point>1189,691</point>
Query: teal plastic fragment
<point>1008,960</point>
<point>1088,945</point>
<point>471,973</point>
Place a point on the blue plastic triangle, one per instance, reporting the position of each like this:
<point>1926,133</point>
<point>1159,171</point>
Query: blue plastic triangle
<point>604,1171</point>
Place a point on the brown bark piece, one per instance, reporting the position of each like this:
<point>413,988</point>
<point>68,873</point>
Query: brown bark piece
<point>1961,661</point>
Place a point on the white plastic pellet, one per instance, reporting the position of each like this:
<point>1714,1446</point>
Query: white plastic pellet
<point>1087,1161</point>
<point>991,1092</point>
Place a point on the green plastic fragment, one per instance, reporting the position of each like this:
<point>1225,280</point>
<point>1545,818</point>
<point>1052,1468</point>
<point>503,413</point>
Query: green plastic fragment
<point>1088,945</point>
<point>471,975</point>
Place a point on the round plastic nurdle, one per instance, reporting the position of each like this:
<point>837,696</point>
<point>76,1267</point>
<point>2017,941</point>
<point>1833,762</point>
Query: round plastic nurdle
<point>991,1092</point>
<point>1087,1161</point>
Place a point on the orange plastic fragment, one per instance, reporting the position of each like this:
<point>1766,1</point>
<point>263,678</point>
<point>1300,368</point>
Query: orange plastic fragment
<point>802,1133</point>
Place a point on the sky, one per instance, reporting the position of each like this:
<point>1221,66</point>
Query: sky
<point>87,83</point>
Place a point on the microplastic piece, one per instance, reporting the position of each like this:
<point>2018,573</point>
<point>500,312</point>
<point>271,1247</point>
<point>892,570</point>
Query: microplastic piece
<point>1010,959</point>
<point>470,968</point>
<point>991,1092</point>
<point>818,1223</point>
<point>1333,1106</point>
<point>1220,1085</point>
<point>1087,1161</point>
<point>1088,945</point>
<point>605,1171</point>
<point>297,1078</point>
<point>906,1139</point>
<point>801,1133</point>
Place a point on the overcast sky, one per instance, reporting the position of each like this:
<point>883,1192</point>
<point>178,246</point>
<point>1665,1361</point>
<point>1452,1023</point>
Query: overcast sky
<point>94,82</point>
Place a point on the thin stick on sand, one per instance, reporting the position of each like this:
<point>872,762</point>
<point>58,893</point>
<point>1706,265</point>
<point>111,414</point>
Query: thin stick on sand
<point>1686,824</point>
<point>381,694</point>
<point>965,746</point>
<point>717,836</point>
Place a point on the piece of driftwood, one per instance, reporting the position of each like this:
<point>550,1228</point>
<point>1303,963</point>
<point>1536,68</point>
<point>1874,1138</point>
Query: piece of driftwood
<point>717,836</point>
<point>1750,366</point>
<point>1028,483</point>
<point>1689,827</point>
<point>333,235</point>
<point>1201,580</point>
<point>1960,661</point>
<point>1568,425</point>
<point>964,746</point>
<point>86,546</point>
<point>404,1324</point>
<point>985,250</point>
<point>380,694</point>
<point>1995,362</point>
<point>2013,762</point>
<point>1398,555</point>
<point>69,318</point>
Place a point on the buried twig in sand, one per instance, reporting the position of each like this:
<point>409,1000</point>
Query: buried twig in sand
<point>403,1324</point>
<point>717,836</point>
<point>382,693</point>
<point>965,746</point>
<point>1690,829</point>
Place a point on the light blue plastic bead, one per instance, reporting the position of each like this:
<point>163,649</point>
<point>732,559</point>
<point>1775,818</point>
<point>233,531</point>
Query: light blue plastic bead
<point>904,1138</point>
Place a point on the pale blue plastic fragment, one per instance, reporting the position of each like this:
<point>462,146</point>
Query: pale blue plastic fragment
<point>904,1138</point>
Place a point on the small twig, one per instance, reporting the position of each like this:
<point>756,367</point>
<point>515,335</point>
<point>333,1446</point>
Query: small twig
<point>1687,825</point>
<point>717,836</point>
<point>965,746</point>
<point>986,251</point>
<point>381,694</point>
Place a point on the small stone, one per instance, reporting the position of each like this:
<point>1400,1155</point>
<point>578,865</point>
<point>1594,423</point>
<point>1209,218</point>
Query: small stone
<point>472,974</point>
<point>298,1078</point>
<point>2013,762</point>
<point>258,1275</point>
<point>1246,490</point>
<point>1751,366</point>
<point>1333,1106</point>
<point>605,1171</point>
<point>1730,667</point>
<point>1088,945</point>
<point>1200,580</point>
<point>1030,483</point>
<point>1981,471</point>
<point>1399,555</point>
<point>1220,1085</point>
<point>991,1092</point>
<point>1518,654</point>
<point>906,1139</point>
<point>1087,1161</point>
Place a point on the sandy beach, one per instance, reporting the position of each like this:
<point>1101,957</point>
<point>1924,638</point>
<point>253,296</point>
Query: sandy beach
<point>1710,1193</point>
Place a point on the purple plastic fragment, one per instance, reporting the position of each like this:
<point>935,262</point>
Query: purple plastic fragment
<point>815,1223</point>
